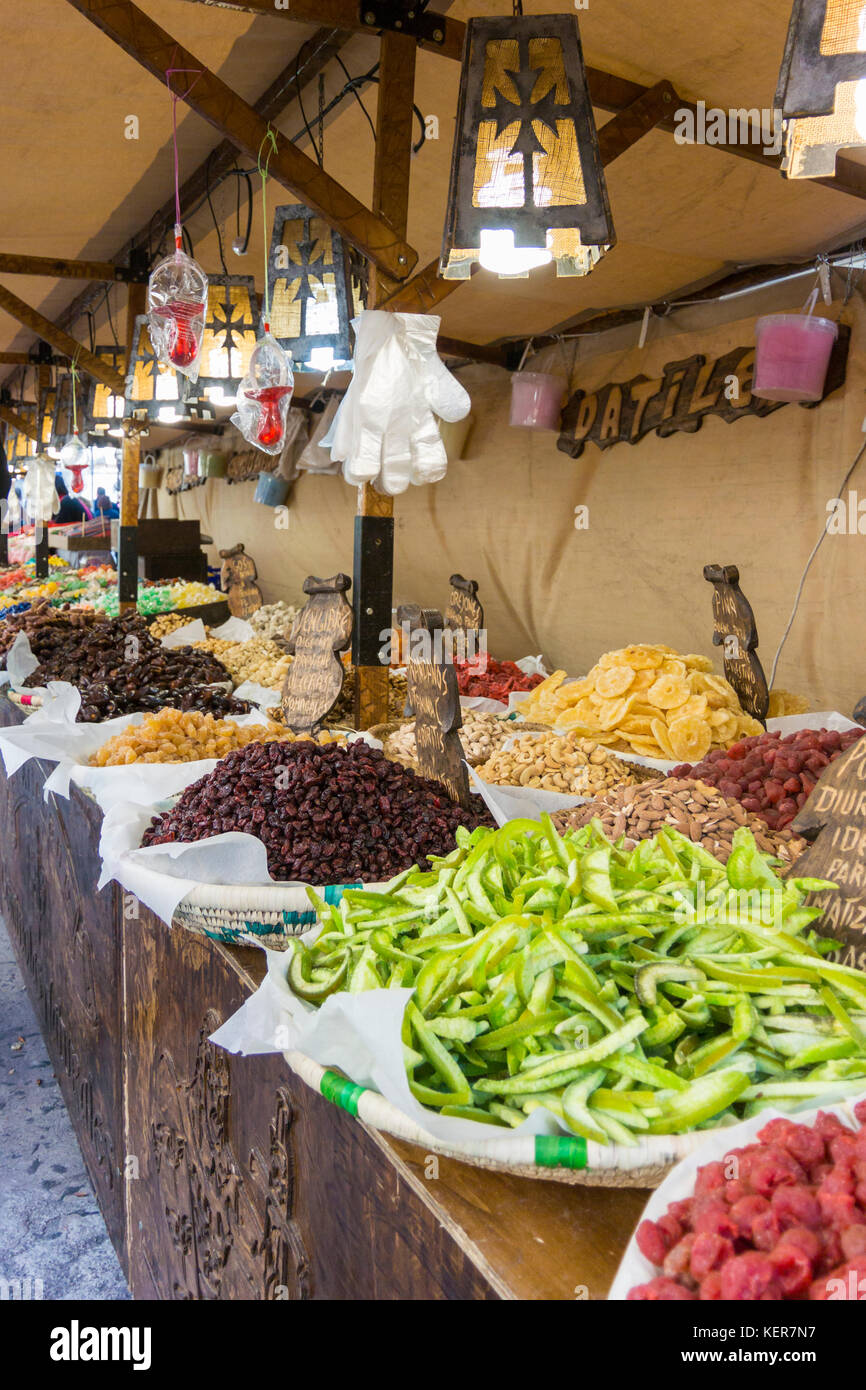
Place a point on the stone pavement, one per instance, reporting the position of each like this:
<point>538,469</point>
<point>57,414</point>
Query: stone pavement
<point>51,1229</point>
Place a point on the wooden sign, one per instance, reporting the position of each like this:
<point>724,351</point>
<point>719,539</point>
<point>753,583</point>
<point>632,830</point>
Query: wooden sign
<point>435,699</point>
<point>834,819</point>
<point>736,633</point>
<point>237,573</point>
<point>322,630</point>
<point>679,399</point>
<point>464,612</point>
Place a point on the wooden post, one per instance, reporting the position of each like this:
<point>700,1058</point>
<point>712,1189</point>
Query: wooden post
<point>127,560</point>
<point>374,524</point>
<point>41,527</point>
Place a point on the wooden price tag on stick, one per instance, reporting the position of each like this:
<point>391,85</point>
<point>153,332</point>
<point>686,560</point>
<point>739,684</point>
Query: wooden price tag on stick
<point>736,633</point>
<point>464,612</point>
<point>435,698</point>
<point>834,819</point>
<point>237,573</point>
<point>322,630</point>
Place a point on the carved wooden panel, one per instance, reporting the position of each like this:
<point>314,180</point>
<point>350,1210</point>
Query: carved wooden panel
<point>67,943</point>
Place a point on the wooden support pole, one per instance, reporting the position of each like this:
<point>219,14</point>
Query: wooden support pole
<point>127,559</point>
<point>41,527</point>
<point>374,524</point>
<point>59,339</point>
<point>235,119</point>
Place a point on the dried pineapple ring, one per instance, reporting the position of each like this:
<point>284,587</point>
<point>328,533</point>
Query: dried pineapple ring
<point>641,658</point>
<point>727,732</point>
<point>662,738</point>
<point>674,666</point>
<point>690,739</point>
<point>612,712</point>
<point>696,705</point>
<point>749,726</point>
<point>698,663</point>
<point>613,681</point>
<point>668,692</point>
<point>723,687</point>
<point>647,748</point>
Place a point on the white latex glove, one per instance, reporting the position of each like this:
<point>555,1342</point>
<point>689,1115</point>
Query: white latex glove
<point>384,431</point>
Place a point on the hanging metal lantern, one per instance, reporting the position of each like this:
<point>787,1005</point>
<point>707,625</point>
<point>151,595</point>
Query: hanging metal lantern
<point>822,85</point>
<point>154,391</point>
<point>527,184</point>
<point>20,446</point>
<point>230,334</point>
<point>309,282</point>
<point>100,411</point>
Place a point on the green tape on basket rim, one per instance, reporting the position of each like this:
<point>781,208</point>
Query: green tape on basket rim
<point>341,1092</point>
<point>335,891</point>
<point>560,1151</point>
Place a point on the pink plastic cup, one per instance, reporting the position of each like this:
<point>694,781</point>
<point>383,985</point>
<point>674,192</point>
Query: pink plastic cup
<point>536,400</point>
<point>793,353</point>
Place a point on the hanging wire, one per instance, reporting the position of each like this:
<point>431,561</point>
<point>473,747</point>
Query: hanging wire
<point>213,214</point>
<point>271,139</point>
<point>175,97</point>
<point>820,541</point>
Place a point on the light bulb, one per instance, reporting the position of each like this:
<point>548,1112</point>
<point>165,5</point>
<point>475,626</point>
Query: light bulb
<point>499,254</point>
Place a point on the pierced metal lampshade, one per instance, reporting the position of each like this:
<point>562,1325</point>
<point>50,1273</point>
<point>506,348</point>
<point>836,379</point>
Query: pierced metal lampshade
<point>822,85</point>
<point>310,287</point>
<point>99,410</point>
<point>230,334</point>
<point>154,391</point>
<point>20,446</point>
<point>526,175</point>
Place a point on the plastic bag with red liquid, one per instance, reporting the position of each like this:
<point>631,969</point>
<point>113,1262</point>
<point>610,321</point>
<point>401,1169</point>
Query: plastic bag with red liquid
<point>264,397</point>
<point>176,311</point>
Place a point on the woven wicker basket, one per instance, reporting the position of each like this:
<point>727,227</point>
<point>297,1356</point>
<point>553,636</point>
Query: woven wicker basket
<point>264,915</point>
<point>558,1158</point>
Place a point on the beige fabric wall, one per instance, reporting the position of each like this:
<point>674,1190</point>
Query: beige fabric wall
<point>752,493</point>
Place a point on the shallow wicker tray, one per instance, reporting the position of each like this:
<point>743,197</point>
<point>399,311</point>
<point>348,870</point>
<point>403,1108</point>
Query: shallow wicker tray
<point>260,915</point>
<point>557,1158</point>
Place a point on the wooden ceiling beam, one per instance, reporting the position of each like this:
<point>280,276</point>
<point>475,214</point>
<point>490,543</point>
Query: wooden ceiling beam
<point>311,58</point>
<point>350,15</point>
<point>611,93</point>
<point>59,268</point>
<point>17,422</point>
<point>59,339</point>
<point>155,50</point>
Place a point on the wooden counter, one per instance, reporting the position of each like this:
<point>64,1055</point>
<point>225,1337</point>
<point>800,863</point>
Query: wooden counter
<point>225,1177</point>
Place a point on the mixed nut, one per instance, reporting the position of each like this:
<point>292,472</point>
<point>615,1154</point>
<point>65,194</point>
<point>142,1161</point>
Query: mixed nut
<point>696,810</point>
<point>560,763</point>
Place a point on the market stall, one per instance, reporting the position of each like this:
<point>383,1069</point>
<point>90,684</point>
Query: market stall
<point>434,819</point>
